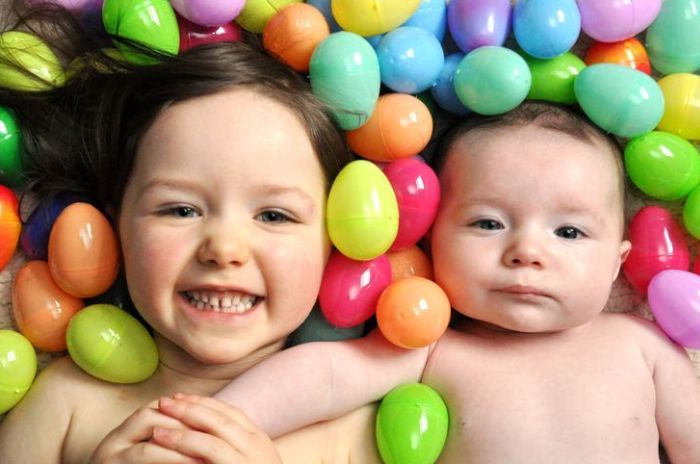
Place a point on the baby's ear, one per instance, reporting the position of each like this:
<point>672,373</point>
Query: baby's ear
<point>625,248</point>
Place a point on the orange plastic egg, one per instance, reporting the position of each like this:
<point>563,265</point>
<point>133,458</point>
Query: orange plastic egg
<point>293,33</point>
<point>10,225</point>
<point>413,312</point>
<point>41,308</point>
<point>628,52</point>
<point>400,127</point>
<point>410,262</point>
<point>83,251</point>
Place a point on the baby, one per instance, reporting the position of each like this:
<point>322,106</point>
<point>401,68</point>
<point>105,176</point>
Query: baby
<point>527,244</point>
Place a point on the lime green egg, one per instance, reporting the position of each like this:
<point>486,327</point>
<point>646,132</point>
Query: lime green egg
<point>17,368</point>
<point>256,13</point>
<point>110,344</point>
<point>362,214</point>
<point>22,50</point>
<point>553,79</point>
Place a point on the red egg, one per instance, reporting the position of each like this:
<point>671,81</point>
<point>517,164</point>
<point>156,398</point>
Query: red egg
<point>658,244</point>
<point>628,52</point>
<point>41,308</point>
<point>83,251</point>
<point>193,35</point>
<point>10,225</point>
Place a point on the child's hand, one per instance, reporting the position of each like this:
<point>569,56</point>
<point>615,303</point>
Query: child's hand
<point>217,433</point>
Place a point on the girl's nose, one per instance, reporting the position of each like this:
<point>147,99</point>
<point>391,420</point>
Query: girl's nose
<point>525,250</point>
<point>224,246</point>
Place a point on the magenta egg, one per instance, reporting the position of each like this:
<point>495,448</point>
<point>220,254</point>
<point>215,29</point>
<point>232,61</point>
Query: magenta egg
<point>674,298</point>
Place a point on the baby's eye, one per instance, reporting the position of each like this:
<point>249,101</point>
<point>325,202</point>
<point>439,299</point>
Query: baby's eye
<point>180,212</point>
<point>487,224</point>
<point>274,216</point>
<point>569,233</point>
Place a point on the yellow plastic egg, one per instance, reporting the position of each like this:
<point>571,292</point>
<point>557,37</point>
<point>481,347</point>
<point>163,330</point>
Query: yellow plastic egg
<point>372,17</point>
<point>682,111</point>
<point>17,368</point>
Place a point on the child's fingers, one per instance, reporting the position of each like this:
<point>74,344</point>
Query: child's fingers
<point>145,453</point>
<point>221,406</point>
<point>201,416</point>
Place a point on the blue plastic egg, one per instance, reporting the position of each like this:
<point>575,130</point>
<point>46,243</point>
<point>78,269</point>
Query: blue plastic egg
<point>34,238</point>
<point>477,23</point>
<point>410,59</point>
<point>673,39</point>
<point>546,28</point>
<point>324,6</point>
<point>344,73</point>
<point>492,80</point>
<point>431,15</point>
<point>444,89</point>
<point>619,99</point>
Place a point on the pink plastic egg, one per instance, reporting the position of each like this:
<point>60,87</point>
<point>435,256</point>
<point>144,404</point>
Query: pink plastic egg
<point>674,298</point>
<point>83,251</point>
<point>41,308</point>
<point>193,35</point>
<point>613,20</point>
<point>208,12</point>
<point>350,289</point>
<point>417,192</point>
<point>657,244</point>
<point>10,225</point>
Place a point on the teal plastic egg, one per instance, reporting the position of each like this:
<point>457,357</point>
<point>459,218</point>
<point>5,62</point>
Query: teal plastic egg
<point>362,214</point>
<point>673,39</point>
<point>151,23</point>
<point>492,80</point>
<point>619,99</point>
<point>553,79</point>
<point>663,165</point>
<point>10,150</point>
<point>17,368</point>
<point>110,344</point>
<point>23,50</point>
<point>411,427</point>
<point>344,73</point>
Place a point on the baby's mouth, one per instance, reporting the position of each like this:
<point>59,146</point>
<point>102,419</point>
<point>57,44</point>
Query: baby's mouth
<point>223,302</point>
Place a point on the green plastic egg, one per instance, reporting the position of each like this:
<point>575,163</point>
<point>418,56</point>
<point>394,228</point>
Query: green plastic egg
<point>17,368</point>
<point>362,214</point>
<point>372,17</point>
<point>663,165</point>
<point>412,423</point>
<point>27,51</point>
<point>344,73</point>
<point>619,99</point>
<point>10,150</point>
<point>256,13</point>
<point>691,213</point>
<point>553,79</point>
<point>110,344</point>
<point>148,22</point>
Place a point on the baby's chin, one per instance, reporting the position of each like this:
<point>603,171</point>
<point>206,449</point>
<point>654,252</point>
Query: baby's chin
<point>519,323</point>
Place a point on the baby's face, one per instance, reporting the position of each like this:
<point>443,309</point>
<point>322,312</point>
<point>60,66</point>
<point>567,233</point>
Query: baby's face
<point>222,225</point>
<point>528,236</point>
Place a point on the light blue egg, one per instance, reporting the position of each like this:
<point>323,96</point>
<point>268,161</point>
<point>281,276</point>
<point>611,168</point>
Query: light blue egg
<point>410,59</point>
<point>374,40</point>
<point>324,6</point>
<point>619,99</point>
<point>443,92</point>
<point>431,15</point>
<point>546,28</point>
<point>673,39</point>
<point>344,73</point>
<point>492,80</point>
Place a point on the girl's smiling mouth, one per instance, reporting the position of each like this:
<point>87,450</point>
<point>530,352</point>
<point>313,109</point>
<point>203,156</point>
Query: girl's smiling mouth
<point>221,301</point>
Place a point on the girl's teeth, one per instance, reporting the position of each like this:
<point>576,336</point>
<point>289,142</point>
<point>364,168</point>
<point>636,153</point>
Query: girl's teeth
<point>228,303</point>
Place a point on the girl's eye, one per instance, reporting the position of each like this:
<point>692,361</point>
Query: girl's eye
<point>181,212</point>
<point>274,216</point>
<point>487,224</point>
<point>569,233</point>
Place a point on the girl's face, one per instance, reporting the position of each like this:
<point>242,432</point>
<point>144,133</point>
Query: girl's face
<point>222,226</point>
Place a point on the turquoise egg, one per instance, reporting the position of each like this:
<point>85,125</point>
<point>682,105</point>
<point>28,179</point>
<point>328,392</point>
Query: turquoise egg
<point>673,39</point>
<point>619,99</point>
<point>344,73</point>
<point>362,214</point>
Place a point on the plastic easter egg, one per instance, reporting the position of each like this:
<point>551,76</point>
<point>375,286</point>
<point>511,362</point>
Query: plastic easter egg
<point>410,59</point>
<point>350,289</point>
<point>417,190</point>
<point>553,80</point>
<point>663,165</point>
<point>409,262</point>
<point>10,150</point>
<point>27,51</point>
<point>431,15</point>
<point>673,39</point>
<point>83,251</point>
<point>110,344</point>
<point>10,225</point>
<point>292,34</point>
<point>372,17</point>
<point>691,213</point>
<point>657,244</point>
<point>344,74</point>
<point>620,100</point>
<point>630,53</point>
<point>362,216</point>
<point>682,105</point>
<point>324,6</point>
<point>400,127</point>
<point>413,312</point>
<point>443,91</point>
<point>674,298</point>
<point>478,23</point>
<point>256,13</point>
<point>34,238</point>
<point>41,308</point>
<point>208,12</point>
<point>411,426</point>
<point>193,35</point>
<point>492,80</point>
<point>546,28</point>
<point>17,368</point>
<point>613,20</point>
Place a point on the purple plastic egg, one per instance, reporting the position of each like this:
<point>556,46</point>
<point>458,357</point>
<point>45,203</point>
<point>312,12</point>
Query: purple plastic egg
<point>674,298</point>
